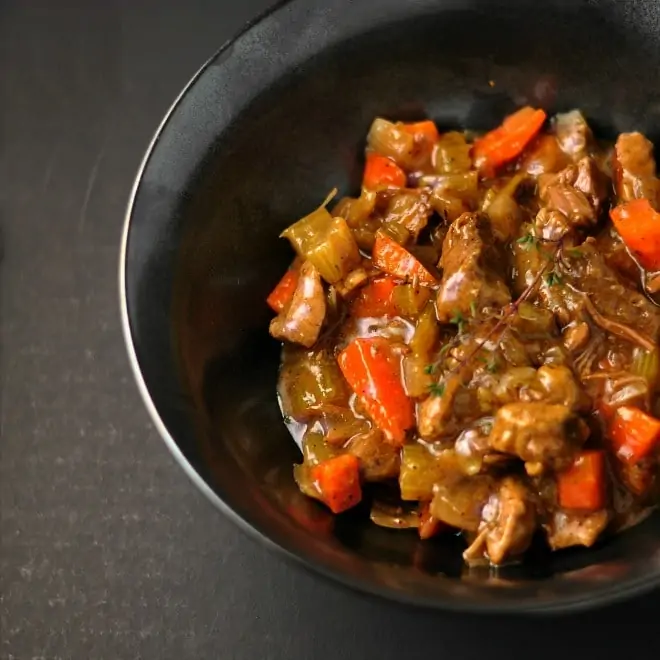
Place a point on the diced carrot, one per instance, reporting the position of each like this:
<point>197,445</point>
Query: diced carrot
<point>395,260</point>
<point>374,373</point>
<point>376,299</point>
<point>634,434</point>
<point>508,140</point>
<point>338,481</point>
<point>429,526</point>
<point>582,486</point>
<point>638,224</point>
<point>382,172</point>
<point>422,129</point>
<point>282,294</point>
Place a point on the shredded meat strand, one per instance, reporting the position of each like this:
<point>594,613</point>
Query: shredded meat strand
<point>618,329</point>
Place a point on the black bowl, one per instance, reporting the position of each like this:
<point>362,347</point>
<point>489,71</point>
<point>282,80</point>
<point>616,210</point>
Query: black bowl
<point>273,121</point>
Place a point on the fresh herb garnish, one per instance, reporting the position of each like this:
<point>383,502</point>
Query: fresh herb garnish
<point>528,241</point>
<point>553,278</point>
<point>444,349</point>
<point>428,369</point>
<point>490,364</point>
<point>543,274</point>
<point>437,389</point>
<point>458,320</point>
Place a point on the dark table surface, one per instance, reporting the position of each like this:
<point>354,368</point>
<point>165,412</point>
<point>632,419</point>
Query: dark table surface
<point>107,550</point>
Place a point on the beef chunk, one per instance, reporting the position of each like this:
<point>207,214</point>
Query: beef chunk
<point>611,296</point>
<point>593,291</point>
<point>544,433</point>
<point>640,479</point>
<point>571,203</point>
<point>469,276</point>
<point>634,169</point>
<point>577,192</point>
<point>559,386</point>
<point>379,459</point>
<point>301,321</point>
<point>567,529</point>
<point>410,209</point>
<point>434,414</point>
<point>508,523</point>
<point>616,255</point>
<point>512,514</point>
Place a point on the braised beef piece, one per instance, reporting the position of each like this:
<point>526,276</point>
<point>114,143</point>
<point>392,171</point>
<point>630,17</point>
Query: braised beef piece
<point>569,528</point>
<point>587,177</point>
<point>640,479</point>
<point>379,459</point>
<point>442,415</point>
<point>590,291</point>
<point>570,203</point>
<point>616,255</point>
<point>470,270</point>
<point>610,297</point>
<point>559,385</point>
<point>634,177</point>
<point>301,321</point>
<point>410,209</point>
<point>549,434</point>
<point>435,413</point>
<point>634,169</point>
<point>508,523</point>
<point>576,193</point>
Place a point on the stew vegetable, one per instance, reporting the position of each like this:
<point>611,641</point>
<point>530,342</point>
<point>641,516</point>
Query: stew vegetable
<point>477,332</point>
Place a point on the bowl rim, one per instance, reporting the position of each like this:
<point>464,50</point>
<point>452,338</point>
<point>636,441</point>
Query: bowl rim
<point>595,597</point>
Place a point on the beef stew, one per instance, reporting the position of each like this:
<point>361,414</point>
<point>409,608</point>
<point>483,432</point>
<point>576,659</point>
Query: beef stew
<point>475,337</point>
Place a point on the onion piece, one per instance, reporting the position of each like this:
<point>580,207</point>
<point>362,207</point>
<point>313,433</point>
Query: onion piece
<point>460,504</point>
<point>394,517</point>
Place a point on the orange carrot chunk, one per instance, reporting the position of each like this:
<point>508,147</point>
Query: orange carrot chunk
<point>638,224</point>
<point>395,260</point>
<point>634,434</point>
<point>582,486</point>
<point>338,481</point>
<point>282,294</point>
<point>376,299</point>
<point>508,140</point>
<point>381,172</point>
<point>374,374</point>
<point>425,130</point>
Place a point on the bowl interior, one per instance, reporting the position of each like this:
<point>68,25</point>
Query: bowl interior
<point>264,131</point>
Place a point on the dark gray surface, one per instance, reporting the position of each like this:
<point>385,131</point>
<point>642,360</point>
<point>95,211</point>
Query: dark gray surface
<point>107,550</point>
